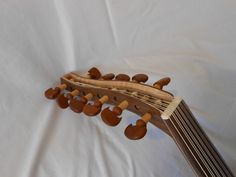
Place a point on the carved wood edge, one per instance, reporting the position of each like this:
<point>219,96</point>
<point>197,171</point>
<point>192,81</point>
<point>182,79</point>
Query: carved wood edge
<point>135,105</point>
<point>127,85</point>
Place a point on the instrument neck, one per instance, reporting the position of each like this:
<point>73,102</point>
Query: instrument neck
<point>194,143</point>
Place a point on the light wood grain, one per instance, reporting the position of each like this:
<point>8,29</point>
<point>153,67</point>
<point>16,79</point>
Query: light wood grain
<point>125,85</point>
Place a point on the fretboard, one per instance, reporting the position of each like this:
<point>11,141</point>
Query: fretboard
<point>193,142</point>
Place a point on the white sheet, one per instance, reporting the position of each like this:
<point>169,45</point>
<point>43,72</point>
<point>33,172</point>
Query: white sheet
<point>193,42</point>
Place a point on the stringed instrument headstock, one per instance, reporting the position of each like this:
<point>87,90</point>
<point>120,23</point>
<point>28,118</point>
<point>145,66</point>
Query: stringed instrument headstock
<point>153,104</point>
<point>77,91</point>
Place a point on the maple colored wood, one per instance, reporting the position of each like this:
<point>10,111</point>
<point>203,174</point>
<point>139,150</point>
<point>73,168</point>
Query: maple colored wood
<point>62,86</point>
<point>123,105</point>
<point>135,87</point>
<point>89,96</point>
<point>104,99</point>
<point>72,94</point>
<point>146,117</point>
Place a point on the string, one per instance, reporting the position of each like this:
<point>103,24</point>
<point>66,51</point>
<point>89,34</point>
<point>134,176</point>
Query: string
<point>186,145</point>
<point>194,140</point>
<point>162,105</point>
<point>214,155</point>
<point>199,138</point>
<point>199,155</point>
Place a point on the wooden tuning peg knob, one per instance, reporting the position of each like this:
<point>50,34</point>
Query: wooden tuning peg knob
<point>52,93</point>
<point>122,77</point>
<point>162,82</point>
<point>78,105</point>
<point>63,100</point>
<point>109,76</point>
<point>140,78</point>
<point>111,117</point>
<point>94,73</point>
<point>92,110</point>
<point>138,131</point>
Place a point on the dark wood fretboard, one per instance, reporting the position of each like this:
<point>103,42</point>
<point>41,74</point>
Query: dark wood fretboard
<point>194,143</point>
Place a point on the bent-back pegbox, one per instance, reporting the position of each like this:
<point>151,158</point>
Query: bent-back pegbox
<point>88,93</point>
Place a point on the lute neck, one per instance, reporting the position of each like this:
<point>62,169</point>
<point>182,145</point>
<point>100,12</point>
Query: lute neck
<point>193,142</point>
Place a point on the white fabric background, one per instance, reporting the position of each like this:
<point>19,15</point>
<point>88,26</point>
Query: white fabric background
<point>192,41</point>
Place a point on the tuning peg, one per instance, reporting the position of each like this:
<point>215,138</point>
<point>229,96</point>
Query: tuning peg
<point>162,82</point>
<point>78,105</point>
<point>122,77</point>
<point>92,110</point>
<point>109,76</point>
<point>111,117</point>
<point>94,73</point>
<point>138,131</point>
<point>52,93</point>
<point>63,100</point>
<point>140,78</point>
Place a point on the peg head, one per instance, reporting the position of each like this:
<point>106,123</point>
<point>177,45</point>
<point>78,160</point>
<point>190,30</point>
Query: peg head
<point>162,82</point>
<point>111,117</point>
<point>122,77</point>
<point>52,93</point>
<point>109,76</point>
<point>140,78</point>
<point>77,105</point>
<point>138,131</point>
<point>63,101</point>
<point>92,109</point>
<point>94,73</point>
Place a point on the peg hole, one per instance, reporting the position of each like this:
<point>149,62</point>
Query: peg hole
<point>98,96</point>
<point>136,107</point>
<point>83,93</point>
<point>115,98</point>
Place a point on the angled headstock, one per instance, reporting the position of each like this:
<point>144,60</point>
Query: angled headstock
<point>120,90</point>
<point>151,103</point>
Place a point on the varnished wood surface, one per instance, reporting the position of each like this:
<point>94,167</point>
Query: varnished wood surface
<point>195,145</point>
<point>143,88</point>
<point>135,105</point>
<point>177,121</point>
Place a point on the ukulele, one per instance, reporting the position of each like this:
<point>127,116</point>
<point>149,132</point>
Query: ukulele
<point>88,92</point>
